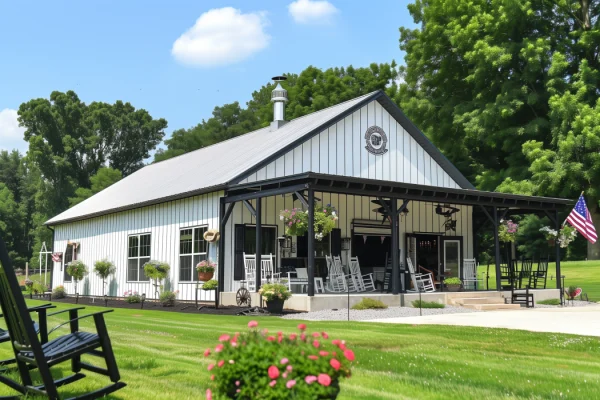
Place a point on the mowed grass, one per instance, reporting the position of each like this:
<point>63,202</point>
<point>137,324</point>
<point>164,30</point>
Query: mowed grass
<point>583,274</point>
<point>160,357</point>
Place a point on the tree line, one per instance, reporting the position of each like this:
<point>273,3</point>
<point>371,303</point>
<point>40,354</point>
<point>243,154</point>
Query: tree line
<point>508,90</point>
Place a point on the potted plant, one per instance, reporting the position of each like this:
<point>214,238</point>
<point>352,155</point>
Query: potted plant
<point>550,235</point>
<point>572,292</point>
<point>211,284</point>
<point>77,269</point>
<point>104,269</point>
<point>258,365</point>
<point>275,294</point>
<point>453,284</point>
<point>296,221</point>
<point>206,270</point>
<point>563,237</point>
<point>507,230</point>
<point>157,271</point>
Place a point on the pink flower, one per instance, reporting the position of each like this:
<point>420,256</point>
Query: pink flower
<point>271,338</point>
<point>335,342</point>
<point>289,368</point>
<point>212,377</point>
<point>273,372</point>
<point>316,344</point>
<point>349,354</point>
<point>206,352</point>
<point>325,335</point>
<point>293,336</point>
<point>211,366</point>
<point>224,338</point>
<point>285,374</point>
<point>316,334</point>
<point>335,364</point>
<point>324,379</point>
<point>252,324</point>
<point>237,383</point>
<point>290,384</point>
<point>302,327</point>
<point>310,379</point>
<point>272,383</point>
<point>219,348</point>
<point>221,363</point>
<point>313,357</point>
<point>303,336</point>
<point>284,361</point>
<point>323,353</point>
<point>208,394</point>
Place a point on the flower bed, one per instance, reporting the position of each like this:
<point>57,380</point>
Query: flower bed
<point>255,365</point>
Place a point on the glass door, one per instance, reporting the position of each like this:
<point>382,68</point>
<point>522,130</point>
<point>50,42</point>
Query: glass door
<point>451,256</point>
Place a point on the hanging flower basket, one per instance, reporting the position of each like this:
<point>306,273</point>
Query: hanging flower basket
<point>507,231</point>
<point>563,237</point>
<point>206,270</point>
<point>296,221</point>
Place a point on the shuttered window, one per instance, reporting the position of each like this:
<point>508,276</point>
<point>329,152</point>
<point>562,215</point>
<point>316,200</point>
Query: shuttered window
<point>70,255</point>
<point>138,253</point>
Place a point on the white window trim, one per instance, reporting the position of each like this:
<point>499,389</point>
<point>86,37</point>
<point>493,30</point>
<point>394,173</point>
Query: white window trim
<point>138,256</point>
<point>73,258</point>
<point>193,228</point>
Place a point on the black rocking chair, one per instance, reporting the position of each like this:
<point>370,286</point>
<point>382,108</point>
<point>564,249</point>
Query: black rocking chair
<point>30,353</point>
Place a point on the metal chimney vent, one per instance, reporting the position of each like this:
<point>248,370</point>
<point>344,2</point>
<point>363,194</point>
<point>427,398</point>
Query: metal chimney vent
<point>279,96</point>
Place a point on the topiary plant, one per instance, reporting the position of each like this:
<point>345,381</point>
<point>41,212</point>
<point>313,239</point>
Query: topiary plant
<point>104,269</point>
<point>77,269</point>
<point>157,271</point>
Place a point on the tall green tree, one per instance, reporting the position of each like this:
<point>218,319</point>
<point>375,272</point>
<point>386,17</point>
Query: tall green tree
<point>312,90</point>
<point>103,179</point>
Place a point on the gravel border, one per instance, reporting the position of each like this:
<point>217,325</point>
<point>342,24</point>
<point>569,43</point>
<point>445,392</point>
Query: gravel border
<point>364,315</point>
<point>576,303</point>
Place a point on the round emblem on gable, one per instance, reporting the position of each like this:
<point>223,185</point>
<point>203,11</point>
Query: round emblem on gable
<point>376,140</point>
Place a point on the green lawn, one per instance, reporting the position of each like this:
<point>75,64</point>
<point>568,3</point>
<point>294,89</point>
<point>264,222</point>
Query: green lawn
<point>160,356</point>
<point>583,274</point>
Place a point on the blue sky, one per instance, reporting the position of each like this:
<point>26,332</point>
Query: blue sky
<point>180,59</point>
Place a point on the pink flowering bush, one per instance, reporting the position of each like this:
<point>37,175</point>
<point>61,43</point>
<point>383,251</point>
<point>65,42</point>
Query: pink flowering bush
<point>257,364</point>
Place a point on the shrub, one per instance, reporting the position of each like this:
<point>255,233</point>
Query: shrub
<point>213,284</point>
<point>132,297</point>
<point>77,269</point>
<point>275,291</point>
<point>427,304</point>
<point>167,298</point>
<point>368,304</point>
<point>550,302</point>
<point>453,281</point>
<point>206,266</point>
<point>59,292</point>
<point>256,365</point>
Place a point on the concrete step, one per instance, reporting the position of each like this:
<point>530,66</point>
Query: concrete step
<point>476,300</point>
<point>490,307</point>
<point>462,295</point>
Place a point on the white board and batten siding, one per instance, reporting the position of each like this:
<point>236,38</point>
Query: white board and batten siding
<point>106,237</point>
<point>340,150</point>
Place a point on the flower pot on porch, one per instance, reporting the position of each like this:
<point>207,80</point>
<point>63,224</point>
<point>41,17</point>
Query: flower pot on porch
<point>275,306</point>
<point>453,288</point>
<point>205,276</point>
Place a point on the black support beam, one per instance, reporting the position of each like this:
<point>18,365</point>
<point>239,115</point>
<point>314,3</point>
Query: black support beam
<point>395,244</point>
<point>311,242</point>
<point>497,250</point>
<point>258,243</point>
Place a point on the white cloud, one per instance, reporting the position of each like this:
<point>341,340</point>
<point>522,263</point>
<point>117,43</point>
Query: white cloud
<point>222,36</point>
<point>11,134</point>
<point>311,11</point>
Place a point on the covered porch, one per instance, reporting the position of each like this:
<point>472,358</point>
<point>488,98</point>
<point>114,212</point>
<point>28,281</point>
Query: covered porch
<point>405,237</point>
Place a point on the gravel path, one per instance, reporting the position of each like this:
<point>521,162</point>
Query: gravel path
<point>576,303</point>
<point>362,315</point>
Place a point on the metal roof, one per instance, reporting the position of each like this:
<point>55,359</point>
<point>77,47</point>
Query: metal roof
<point>204,170</point>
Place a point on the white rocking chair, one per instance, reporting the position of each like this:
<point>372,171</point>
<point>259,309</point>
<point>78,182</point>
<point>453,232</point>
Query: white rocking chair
<point>365,282</point>
<point>421,282</point>
<point>250,272</point>
<point>267,271</point>
<point>470,274</point>
<point>336,280</point>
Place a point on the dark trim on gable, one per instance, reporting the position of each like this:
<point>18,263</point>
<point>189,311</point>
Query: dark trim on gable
<point>388,104</point>
<point>306,137</point>
<point>424,142</point>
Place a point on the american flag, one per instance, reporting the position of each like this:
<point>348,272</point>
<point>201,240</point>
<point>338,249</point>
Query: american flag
<point>56,257</point>
<point>581,220</point>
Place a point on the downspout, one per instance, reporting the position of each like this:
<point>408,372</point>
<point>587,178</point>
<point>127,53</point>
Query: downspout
<point>52,270</point>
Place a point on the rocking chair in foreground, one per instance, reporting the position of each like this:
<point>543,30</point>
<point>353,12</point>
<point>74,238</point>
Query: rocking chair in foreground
<point>31,354</point>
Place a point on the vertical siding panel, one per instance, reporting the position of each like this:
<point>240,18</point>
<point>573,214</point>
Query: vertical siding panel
<point>289,163</point>
<point>340,139</point>
<point>298,159</point>
<point>323,140</point>
<point>382,162</point>
<point>364,155</point>
<point>393,146</point>
<point>315,156</point>
<point>356,145</point>
<point>371,120</point>
<point>332,150</point>
<point>348,156</point>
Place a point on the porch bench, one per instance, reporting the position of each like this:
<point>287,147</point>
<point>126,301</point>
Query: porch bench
<point>521,297</point>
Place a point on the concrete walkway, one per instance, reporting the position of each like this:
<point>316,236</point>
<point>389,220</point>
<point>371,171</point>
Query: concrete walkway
<point>574,320</point>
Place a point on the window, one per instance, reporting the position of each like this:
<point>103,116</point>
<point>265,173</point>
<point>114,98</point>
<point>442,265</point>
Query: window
<point>192,250</point>
<point>138,253</point>
<point>70,255</point>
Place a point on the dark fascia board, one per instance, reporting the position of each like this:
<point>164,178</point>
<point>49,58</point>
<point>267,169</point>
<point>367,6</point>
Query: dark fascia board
<point>307,136</point>
<point>395,112</point>
<point>129,207</point>
<point>424,142</point>
<point>328,182</point>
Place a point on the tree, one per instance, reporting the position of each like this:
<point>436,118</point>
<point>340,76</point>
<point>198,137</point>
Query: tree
<point>103,179</point>
<point>312,90</point>
<point>8,217</point>
<point>508,90</point>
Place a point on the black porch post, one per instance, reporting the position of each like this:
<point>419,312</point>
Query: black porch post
<point>395,261</point>
<point>258,242</point>
<point>221,255</point>
<point>558,274</point>
<point>497,248</point>
<point>311,242</point>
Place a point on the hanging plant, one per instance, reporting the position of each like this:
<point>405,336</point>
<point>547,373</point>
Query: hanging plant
<point>296,221</point>
<point>507,231</point>
<point>564,236</point>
